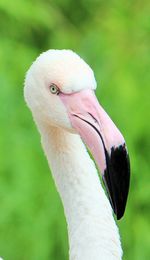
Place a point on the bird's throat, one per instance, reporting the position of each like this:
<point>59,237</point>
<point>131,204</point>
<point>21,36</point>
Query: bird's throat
<point>91,227</point>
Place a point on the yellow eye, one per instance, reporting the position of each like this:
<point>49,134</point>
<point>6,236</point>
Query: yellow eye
<point>54,89</point>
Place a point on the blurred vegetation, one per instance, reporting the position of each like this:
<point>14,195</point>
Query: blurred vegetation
<point>114,38</point>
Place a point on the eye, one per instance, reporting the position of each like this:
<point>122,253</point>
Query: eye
<point>54,89</point>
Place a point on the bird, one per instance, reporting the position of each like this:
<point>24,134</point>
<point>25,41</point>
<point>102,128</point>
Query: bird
<point>59,90</point>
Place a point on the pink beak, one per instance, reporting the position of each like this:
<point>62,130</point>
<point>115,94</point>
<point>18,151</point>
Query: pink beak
<point>105,142</point>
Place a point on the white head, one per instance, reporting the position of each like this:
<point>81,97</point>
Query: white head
<point>68,72</point>
<point>59,90</point>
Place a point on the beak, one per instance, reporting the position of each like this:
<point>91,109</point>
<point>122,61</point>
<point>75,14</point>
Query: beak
<point>105,142</point>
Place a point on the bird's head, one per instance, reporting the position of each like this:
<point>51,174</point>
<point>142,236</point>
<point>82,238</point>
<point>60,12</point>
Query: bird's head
<point>53,74</point>
<point>59,90</point>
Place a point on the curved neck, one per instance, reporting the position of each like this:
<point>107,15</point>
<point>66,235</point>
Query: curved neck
<point>91,228</point>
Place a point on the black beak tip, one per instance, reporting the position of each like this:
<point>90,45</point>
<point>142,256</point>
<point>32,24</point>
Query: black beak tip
<point>117,178</point>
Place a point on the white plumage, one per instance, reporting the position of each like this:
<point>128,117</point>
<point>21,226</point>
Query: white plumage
<point>92,231</point>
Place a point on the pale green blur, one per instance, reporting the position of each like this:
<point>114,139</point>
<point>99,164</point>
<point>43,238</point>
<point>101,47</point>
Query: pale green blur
<point>114,38</point>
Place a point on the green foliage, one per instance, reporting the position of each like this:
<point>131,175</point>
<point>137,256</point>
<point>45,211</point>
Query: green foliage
<point>114,38</point>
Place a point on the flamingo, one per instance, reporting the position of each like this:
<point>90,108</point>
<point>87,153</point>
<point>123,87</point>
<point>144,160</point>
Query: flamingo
<point>60,92</point>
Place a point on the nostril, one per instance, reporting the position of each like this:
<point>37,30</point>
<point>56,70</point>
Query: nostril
<point>95,120</point>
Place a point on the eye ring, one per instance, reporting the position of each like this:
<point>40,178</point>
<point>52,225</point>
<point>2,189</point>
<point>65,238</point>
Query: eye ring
<point>54,89</point>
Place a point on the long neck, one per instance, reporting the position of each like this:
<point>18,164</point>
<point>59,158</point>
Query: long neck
<point>92,231</point>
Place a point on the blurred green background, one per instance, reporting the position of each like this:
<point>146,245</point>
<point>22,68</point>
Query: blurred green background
<point>114,38</point>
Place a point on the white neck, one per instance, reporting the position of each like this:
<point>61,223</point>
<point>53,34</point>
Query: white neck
<point>92,231</point>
